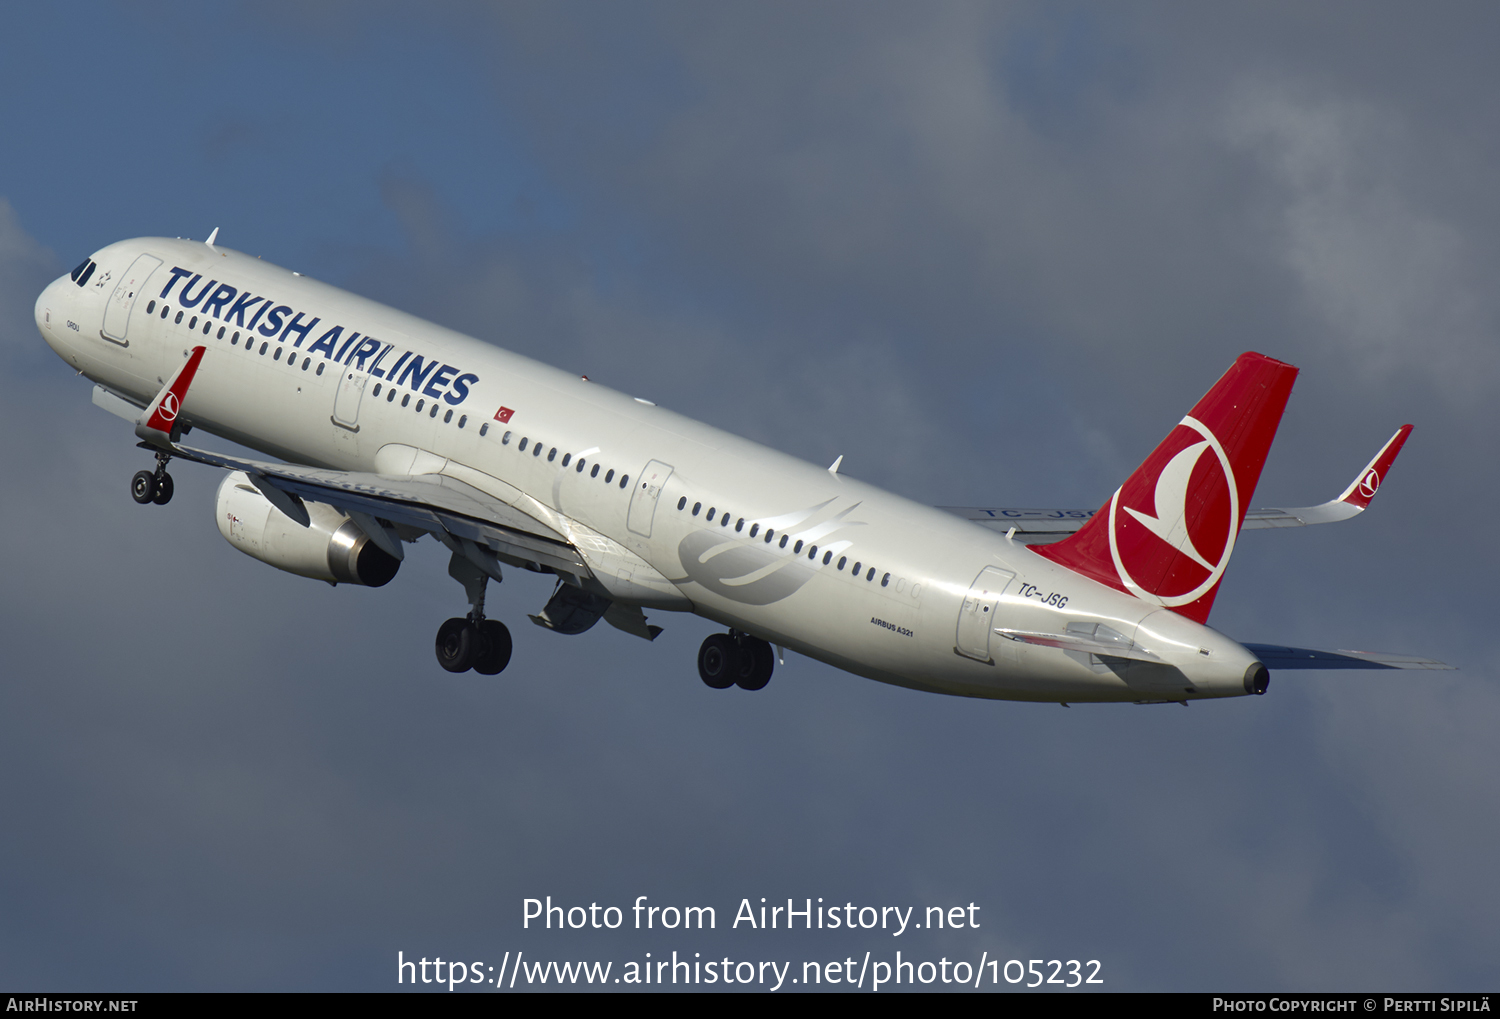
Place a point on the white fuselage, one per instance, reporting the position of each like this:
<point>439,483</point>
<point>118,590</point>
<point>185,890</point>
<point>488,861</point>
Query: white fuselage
<point>290,383</point>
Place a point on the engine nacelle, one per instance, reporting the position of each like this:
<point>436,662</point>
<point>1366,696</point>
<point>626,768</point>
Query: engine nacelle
<point>332,547</point>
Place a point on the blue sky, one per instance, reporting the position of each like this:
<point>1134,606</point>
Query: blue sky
<point>989,253</point>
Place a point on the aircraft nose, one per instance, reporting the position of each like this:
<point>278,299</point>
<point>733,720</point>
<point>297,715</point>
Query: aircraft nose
<point>43,309</point>
<point>51,312</point>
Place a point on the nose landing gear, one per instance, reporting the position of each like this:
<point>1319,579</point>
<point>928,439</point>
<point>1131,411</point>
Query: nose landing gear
<point>735,659</point>
<point>153,486</point>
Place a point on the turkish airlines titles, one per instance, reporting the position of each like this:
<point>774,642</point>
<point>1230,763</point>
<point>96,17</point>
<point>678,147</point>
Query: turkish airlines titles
<point>279,322</point>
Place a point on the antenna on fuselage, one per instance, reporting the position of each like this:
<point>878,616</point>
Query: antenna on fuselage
<point>212,237</point>
<point>833,468</point>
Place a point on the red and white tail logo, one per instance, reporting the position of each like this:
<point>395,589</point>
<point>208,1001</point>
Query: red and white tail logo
<point>164,409</point>
<point>1166,535</point>
<point>1365,486</point>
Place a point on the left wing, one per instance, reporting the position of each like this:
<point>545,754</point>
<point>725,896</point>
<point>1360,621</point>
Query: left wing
<point>1041,526</point>
<point>470,507</point>
<point>473,513</point>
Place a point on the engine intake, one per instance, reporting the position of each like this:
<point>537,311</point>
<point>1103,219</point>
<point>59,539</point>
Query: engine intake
<point>332,547</point>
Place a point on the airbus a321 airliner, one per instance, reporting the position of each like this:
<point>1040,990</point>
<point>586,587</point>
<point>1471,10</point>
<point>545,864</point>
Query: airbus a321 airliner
<point>391,428</point>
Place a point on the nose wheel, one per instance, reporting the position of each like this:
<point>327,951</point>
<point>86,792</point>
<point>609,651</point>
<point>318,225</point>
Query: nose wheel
<point>153,486</point>
<point>735,659</point>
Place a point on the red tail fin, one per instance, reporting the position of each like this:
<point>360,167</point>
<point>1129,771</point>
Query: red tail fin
<point>1165,536</point>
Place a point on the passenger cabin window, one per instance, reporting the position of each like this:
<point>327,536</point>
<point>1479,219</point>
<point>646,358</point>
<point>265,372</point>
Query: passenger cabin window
<point>484,429</point>
<point>566,458</point>
<point>609,476</point>
<point>885,581</point>
<point>624,480</point>
<point>552,455</point>
<point>595,472</point>
<point>797,548</point>
<point>696,507</point>
<point>783,541</point>
<point>151,310</point>
<point>522,446</point>
<point>681,503</point>
<point>320,368</point>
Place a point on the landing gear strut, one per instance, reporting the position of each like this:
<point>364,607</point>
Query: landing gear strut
<point>472,641</point>
<point>735,659</point>
<point>148,486</point>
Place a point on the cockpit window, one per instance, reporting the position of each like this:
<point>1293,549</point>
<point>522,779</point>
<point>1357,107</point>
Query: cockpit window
<point>81,274</point>
<point>79,271</point>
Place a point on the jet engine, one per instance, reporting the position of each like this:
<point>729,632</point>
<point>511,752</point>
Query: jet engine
<point>331,547</point>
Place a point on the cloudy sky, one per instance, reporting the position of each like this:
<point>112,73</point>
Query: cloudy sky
<point>990,254</point>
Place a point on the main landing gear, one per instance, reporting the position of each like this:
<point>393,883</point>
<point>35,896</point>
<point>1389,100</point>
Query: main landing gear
<point>472,642</point>
<point>153,486</point>
<point>464,644</point>
<point>735,659</point>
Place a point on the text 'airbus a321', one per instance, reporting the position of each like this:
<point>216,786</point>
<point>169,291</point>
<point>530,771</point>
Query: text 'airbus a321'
<point>392,428</point>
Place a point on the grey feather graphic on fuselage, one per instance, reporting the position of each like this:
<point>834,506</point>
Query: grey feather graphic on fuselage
<point>755,571</point>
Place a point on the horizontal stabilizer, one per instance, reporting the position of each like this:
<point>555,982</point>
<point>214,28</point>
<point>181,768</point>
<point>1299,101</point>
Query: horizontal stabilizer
<point>1274,656</point>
